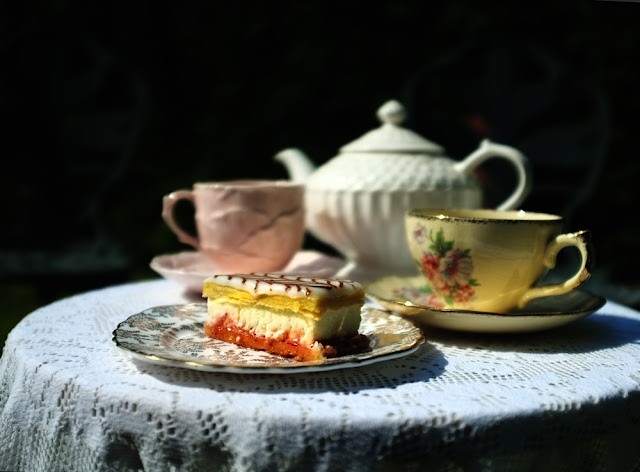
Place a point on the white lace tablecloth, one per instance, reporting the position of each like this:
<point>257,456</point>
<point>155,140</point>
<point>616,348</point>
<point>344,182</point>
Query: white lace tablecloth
<point>567,399</point>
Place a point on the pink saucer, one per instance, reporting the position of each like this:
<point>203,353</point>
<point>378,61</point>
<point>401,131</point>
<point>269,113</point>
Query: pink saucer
<point>190,268</point>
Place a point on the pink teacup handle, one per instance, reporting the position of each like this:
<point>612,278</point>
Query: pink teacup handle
<point>582,241</point>
<point>168,214</point>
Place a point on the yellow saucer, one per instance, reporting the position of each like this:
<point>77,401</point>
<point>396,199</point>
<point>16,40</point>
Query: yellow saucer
<point>404,295</point>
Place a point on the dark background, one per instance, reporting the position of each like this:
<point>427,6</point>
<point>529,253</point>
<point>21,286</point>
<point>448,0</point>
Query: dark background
<point>107,106</point>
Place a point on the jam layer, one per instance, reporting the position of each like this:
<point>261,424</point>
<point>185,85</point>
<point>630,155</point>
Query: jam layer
<point>225,329</point>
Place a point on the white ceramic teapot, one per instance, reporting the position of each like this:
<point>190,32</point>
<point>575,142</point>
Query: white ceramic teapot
<point>356,201</point>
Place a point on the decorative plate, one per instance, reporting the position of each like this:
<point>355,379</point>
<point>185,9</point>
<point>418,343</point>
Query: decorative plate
<point>190,268</point>
<point>403,295</point>
<point>174,335</point>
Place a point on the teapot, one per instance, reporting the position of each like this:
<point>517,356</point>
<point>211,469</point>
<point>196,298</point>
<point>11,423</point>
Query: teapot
<point>356,201</point>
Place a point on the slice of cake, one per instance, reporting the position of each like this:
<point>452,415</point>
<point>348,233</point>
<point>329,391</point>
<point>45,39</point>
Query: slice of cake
<point>298,317</point>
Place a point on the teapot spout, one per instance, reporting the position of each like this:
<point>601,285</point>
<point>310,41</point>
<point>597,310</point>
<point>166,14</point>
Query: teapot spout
<point>297,164</point>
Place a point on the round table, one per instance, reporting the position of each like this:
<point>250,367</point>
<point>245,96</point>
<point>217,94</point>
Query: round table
<point>71,400</point>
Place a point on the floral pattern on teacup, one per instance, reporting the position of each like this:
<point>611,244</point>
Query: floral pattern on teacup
<point>448,269</point>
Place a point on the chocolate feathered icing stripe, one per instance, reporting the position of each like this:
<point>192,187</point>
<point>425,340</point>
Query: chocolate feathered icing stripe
<point>286,284</point>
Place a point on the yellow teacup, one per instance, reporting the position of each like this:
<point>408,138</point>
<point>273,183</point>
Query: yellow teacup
<point>489,260</point>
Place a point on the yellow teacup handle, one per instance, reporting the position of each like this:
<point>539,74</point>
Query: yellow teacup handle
<point>581,240</point>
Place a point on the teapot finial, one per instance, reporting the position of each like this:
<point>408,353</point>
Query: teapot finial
<point>391,136</point>
<point>392,112</point>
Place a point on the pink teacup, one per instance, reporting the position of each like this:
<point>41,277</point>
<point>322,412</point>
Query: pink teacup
<point>243,225</point>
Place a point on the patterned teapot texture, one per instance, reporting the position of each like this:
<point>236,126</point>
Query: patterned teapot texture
<point>356,201</point>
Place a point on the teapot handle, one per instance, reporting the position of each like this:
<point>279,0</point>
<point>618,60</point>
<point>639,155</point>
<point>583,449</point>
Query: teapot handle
<point>488,150</point>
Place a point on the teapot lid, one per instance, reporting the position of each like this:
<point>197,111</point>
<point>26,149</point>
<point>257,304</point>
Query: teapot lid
<point>390,136</point>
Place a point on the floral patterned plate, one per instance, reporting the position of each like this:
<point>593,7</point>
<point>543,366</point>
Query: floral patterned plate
<point>407,296</point>
<point>174,335</point>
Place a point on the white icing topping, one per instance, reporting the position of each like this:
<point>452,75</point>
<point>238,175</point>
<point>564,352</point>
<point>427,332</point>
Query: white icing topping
<point>260,283</point>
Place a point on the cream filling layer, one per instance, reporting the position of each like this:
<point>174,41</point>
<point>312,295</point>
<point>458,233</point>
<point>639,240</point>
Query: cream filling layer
<point>286,325</point>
